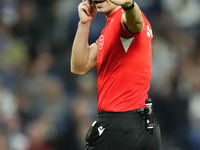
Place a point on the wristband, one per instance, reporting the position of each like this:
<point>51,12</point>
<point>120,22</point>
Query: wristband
<point>129,7</point>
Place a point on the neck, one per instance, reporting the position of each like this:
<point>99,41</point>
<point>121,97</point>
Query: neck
<point>112,11</point>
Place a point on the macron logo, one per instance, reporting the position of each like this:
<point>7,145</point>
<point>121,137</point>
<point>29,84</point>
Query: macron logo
<point>100,129</point>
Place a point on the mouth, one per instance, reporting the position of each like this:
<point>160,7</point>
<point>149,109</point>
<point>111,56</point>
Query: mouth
<point>97,2</point>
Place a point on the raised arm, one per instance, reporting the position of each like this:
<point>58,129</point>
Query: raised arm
<point>83,57</point>
<point>132,18</point>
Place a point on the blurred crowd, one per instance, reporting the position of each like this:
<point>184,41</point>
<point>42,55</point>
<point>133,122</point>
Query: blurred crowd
<point>44,107</point>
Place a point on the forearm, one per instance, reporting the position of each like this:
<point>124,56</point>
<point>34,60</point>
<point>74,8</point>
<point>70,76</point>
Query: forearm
<point>132,19</point>
<point>134,14</point>
<point>80,48</point>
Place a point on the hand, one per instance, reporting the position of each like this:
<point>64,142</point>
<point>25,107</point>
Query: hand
<point>87,11</point>
<point>123,3</point>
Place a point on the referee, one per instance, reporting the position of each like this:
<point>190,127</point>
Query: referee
<point>122,56</point>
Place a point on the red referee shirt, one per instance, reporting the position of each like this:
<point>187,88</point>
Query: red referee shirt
<point>123,66</point>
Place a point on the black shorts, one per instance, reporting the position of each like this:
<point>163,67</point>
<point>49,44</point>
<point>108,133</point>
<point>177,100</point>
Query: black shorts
<point>122,131</point>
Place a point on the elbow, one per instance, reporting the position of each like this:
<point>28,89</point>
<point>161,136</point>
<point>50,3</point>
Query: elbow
<point>77,72</point>
<point>136,27</point>
<point>139,26</point>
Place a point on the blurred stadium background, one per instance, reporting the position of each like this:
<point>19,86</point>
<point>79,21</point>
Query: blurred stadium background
<point>44,107</point>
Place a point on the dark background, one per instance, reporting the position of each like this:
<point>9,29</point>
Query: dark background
<point>44,107</point>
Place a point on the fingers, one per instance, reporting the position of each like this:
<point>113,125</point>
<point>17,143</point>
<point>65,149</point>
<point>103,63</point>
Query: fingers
<point>86,2</point>
<point>85,6</point>
<point>87,12</point>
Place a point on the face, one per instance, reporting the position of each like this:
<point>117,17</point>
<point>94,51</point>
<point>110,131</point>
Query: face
<point>105,7</point>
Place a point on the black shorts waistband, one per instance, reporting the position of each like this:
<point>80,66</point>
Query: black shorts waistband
<point>130,114</point>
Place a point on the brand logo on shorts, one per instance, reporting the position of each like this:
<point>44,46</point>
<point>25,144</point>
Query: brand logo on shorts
<point>100,129</point>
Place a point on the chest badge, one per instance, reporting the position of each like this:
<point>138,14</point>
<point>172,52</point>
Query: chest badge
<point>101,42</point>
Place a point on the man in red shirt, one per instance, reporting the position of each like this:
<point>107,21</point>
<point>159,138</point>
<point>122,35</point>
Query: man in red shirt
<point>122,56</point>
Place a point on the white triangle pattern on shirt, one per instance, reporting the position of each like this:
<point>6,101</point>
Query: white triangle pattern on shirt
<point>126,43</point>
